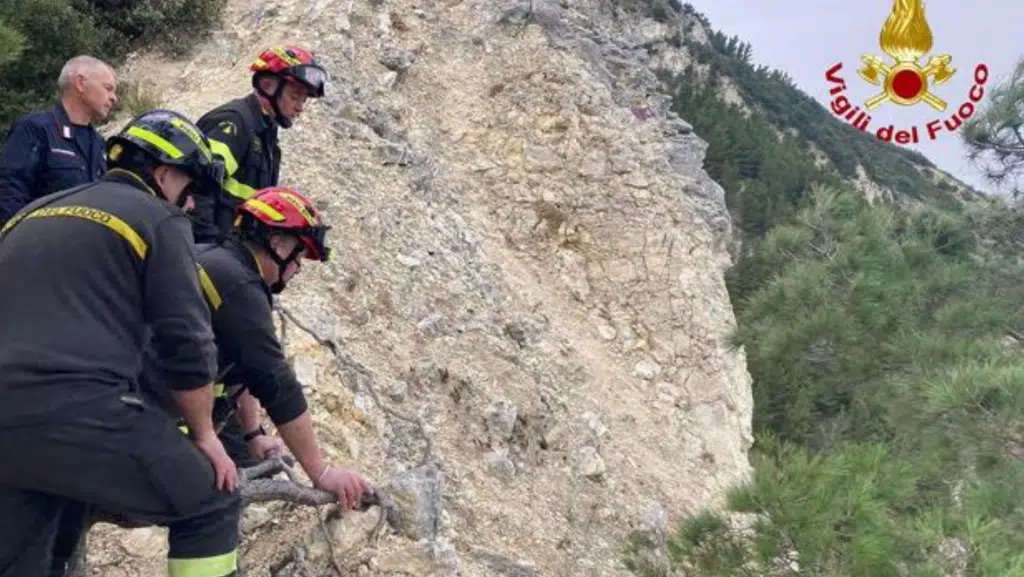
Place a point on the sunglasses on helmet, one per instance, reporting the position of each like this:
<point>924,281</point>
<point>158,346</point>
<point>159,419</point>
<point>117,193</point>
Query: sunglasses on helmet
<point>316,239</point>
<point>312,76</point>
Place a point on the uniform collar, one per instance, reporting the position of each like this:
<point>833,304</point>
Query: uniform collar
<point>62,115</point>
<point>130,178</point>
<point>262,120</point>
<point>65,127</point>
<point>245,255</point>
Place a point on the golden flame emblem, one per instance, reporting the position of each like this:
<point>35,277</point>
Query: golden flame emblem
<point>906,37</point>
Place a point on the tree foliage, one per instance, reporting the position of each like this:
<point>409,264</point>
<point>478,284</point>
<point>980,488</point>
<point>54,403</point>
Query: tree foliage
<point>887,402</point>
<point>887,396</point>
<point>11,43</point>
<point>995,135</point>
<point>775,98</point>
<point>659,10</point>
<point>38,36</point>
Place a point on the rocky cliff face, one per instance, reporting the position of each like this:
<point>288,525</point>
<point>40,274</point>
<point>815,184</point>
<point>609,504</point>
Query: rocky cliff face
<point>530,283</point>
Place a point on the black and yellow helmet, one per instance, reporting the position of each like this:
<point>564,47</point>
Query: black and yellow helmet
<point>169,138</point>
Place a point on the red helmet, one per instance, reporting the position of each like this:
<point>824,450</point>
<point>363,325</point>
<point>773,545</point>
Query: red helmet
<point>294,64</point>
<point>279,209</point>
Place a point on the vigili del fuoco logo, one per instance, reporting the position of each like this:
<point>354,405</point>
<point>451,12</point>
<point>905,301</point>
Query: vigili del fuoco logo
<point>906,38</point>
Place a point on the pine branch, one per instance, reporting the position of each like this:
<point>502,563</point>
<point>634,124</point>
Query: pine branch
<point>255,488</point>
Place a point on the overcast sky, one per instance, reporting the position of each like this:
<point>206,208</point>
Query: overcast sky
<point>807,37</point>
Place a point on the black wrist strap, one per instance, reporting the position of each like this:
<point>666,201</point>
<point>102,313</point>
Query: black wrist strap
<point>253,434</point>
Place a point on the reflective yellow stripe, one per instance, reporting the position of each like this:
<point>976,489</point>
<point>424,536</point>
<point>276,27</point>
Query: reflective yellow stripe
<point>14,220</point>
<point>183,429</point>
<point>285,56</point>
<point>211,292</point>
<point>219,390</point>
<point>265,209</point>
<point>238,189</point>
<point>193,135</point>
<point>94,215</point>
<point>259,267</point>
<point>138,179</point>
<point>224,151</point>
<point>156,140</point>
<point>218,566</point>
<point>299,206</point>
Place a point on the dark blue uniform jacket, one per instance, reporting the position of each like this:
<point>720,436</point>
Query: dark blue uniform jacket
<point>44,153</point>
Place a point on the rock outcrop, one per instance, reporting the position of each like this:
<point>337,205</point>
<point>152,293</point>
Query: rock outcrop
<point>530,281</point>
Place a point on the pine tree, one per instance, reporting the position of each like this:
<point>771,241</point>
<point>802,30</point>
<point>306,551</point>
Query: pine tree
<point>887,406</point>
<point>995,134</point>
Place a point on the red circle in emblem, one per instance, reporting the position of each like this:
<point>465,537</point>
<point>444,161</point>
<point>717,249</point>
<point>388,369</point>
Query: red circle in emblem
<point>907,84</point>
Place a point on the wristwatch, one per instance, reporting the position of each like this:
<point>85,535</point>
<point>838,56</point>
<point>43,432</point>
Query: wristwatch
<point>253,434</point>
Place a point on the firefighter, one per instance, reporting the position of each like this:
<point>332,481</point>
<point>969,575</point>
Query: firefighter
<point>275,229</point>
<point>244,132</point>
<point>91,276</point>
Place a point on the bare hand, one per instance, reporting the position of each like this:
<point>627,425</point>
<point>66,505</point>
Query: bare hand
<point>264,447</point>
<point>224,469</point>
<point>348,486</point>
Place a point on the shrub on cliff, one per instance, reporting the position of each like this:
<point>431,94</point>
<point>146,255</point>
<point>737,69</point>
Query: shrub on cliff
<point>887,396</point>
<point>887,399</point>
<point>169,25</point>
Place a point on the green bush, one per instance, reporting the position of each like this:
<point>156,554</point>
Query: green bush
<point>49,32</point>
<point>887,405</point>
<point>778,101</point>
<point>886,402</point>
<point>173,26</point>
<point>11,43</point>
<point>52,32</point>
<point>660,10</point>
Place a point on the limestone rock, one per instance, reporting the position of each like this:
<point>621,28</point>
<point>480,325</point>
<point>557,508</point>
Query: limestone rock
<point>527,300</point>
<point>421,559</point>
<point>254,517</point>
<point>589,464</point>
<point>146,542</point>
<point>501,420</point>
<point>397,59</point>
<point>305,370</point>
<point>418,496</point>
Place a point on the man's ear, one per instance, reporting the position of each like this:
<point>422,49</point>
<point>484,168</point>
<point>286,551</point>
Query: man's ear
<point>269,84</point>
<point>159,174</point>
<point>277,241</point>
<point>280,243</point>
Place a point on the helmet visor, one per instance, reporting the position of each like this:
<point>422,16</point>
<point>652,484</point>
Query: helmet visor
<point>311,75</point>
<point>315,239</point>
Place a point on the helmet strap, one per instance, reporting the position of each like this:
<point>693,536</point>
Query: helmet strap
<point>274,99</point>
<point>282,264</point>
<point>251,230</point>
<point>183,197</point>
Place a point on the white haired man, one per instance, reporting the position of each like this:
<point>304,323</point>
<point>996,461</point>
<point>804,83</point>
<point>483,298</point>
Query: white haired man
<point>58,148</point>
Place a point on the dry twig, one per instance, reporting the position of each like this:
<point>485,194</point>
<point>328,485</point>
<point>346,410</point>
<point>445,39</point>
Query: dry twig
<point>254,488</point>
